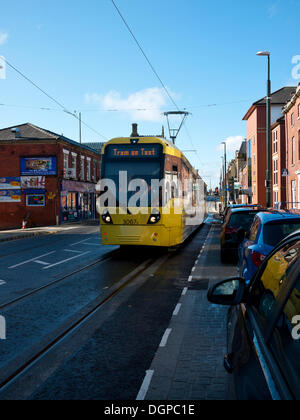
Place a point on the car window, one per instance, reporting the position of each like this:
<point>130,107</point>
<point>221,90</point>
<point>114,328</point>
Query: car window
<point>285,342</point>
<point>269,284</point>
<point>254,230</point>
<point>242,220</point>
<point>276,232</point>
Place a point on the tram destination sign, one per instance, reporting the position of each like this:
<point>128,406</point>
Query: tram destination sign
<point>136,151</point>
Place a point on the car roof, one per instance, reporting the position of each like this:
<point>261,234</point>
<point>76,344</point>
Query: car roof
<point>271,215</point>
<point>245,210</point>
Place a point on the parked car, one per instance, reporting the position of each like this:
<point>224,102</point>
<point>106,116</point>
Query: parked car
<point>264,327</point>
<point>237,222</point>
<point>239,206</point>
<point>268,229</point>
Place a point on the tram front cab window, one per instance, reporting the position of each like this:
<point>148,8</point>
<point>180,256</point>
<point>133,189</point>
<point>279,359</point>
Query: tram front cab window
<point>136,162</point>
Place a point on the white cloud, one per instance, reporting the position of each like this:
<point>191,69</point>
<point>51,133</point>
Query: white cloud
<point>3,37</point>
<point>144,105</point>
<point>273,9</point>
<point>233,144</point>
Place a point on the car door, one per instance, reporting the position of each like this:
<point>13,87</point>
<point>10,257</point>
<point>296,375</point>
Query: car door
<point>272,309</point>
<point>245,255</point>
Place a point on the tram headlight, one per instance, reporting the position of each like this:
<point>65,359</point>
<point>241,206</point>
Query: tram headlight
<point>106,217</point>
<point>154,218</point>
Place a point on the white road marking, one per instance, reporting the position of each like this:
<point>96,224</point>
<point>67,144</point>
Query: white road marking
<point>87,243</point>
<point>165,337</point>
<point>41,262</point>
<point>32,260</point>
<point>80,242</point>
<point>64,261</point>
<point>190,278</point>
<point>145,385</point>
<point>2,282</point>
<point>184,292</point>
<point>74,252</point>
<point>193,269</point>
<point>177,309</point>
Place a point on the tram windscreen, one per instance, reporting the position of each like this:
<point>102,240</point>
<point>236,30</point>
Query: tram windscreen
<point>139,162</point>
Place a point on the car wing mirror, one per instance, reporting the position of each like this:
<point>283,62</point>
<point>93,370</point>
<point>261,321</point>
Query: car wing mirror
<point>228,292</point>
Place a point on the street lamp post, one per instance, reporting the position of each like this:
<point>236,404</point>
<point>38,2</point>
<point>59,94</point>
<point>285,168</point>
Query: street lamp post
<point>225,172</point>
<point>268,137</point>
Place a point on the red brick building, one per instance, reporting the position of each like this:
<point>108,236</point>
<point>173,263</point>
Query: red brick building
<point>45,178</point>
<point>292,123</point>
<point>256,143</point>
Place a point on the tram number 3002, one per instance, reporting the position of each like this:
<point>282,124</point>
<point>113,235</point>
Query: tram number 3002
<point>130,222</point>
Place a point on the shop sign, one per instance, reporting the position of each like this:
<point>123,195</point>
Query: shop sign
<point>38,166</point>
<point>35,200</point>
<point>74,186</point>
<point>33,182</point>
<point>10,196</point>
<point>9,183</point>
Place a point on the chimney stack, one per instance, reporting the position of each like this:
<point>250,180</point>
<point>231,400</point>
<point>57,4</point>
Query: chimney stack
<point>16,132</point>
<point>135,131</point>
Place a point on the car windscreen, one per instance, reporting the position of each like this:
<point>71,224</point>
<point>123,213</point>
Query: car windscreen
<point>274,232</point>
<point>242,220</point>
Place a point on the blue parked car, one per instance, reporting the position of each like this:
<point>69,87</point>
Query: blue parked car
<point>268,229</point>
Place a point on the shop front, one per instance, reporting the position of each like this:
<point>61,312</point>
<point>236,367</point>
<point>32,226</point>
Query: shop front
<point>78,201</point>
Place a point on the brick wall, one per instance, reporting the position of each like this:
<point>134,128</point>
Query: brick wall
<point>12,214</point>
<point>292,121</point>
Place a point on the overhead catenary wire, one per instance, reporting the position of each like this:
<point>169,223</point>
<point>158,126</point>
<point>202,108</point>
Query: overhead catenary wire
<point>97,109</point>
<point>145,55</point>
<point>50,97</point>
<point>152,68</point>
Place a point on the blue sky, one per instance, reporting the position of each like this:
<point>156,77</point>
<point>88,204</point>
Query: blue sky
<point>205,53</point>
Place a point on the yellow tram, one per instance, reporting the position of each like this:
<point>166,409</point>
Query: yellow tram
<point>150,195</point>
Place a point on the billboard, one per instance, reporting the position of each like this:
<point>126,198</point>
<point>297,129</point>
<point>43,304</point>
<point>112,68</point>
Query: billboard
<point>40,166</point>
<point>10,196</point>
<point>33,182</point>
<point>9,183</point>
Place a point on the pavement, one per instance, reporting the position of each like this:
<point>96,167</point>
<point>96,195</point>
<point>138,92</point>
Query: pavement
<point>15,234</point>
<point>188,364</point>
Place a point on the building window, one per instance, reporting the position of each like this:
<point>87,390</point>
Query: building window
<point>88,169</point>
<point>293,150</point>
<point>66,162</point>
<point>293,119</point>
<point>95,171</point>
<point>294,194</point>
<point>299,144</point>
<point>74,163</point>
<point>275,162</point>
<point>275,198</point>
<point>82,168</point>
<point>275,141</point>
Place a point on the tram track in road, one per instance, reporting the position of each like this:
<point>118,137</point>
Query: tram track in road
<point>59,238</point>
<point>59,280</point>
<point>77,322</point>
